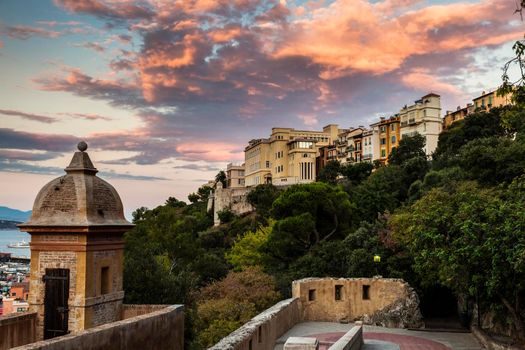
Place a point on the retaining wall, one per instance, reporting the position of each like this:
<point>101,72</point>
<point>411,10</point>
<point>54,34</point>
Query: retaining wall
<point>159,330</point>
<point>17,329</point>
<point>349,299</point>
<point>262,331</point>
<point>132,310</point>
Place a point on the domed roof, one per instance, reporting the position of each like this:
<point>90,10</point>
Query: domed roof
<point>79,198</point>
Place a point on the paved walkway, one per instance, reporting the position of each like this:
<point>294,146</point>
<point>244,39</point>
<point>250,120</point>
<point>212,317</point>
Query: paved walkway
<point>380,338</point>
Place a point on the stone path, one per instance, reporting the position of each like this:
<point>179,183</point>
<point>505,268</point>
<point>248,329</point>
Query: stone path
<point>380,338</point>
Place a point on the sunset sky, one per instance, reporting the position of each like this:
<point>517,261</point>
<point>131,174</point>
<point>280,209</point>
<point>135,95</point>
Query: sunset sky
<point>166,93</point>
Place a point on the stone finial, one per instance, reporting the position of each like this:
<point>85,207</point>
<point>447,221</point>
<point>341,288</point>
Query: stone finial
<point>82,146</point>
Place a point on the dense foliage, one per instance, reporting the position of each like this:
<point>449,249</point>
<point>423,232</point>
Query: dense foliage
<point>455,220</point>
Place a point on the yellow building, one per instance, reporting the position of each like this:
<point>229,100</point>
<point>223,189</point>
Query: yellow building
<point>484,102</point>
<point>459,114</point>
<point>287,157</point>
<point>387,131</point>
<point>489,100</point>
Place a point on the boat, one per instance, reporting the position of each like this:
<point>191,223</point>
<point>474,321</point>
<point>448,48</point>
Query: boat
<point>22,244</point>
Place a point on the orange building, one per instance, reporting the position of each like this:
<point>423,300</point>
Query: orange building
<point>20,291</point>
<point>389,134</point>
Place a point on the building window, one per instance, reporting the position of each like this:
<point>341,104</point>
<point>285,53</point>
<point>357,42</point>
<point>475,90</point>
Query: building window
<point>393,127</point>
<point>338,292</point>
<point>382,129</point>
<point>104,280</point>
<point>267,163</point>
<point>311,295</point>
<point>366,292</point>
<point>383,141</point>
<point>383,153</point>
<point>393,139</point>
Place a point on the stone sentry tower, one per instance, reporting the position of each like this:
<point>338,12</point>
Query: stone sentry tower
<point>76,231</point>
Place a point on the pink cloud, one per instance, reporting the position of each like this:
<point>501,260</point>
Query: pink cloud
<point>57,23</point>
<point>26,32</point>
<point>28,116</point>
<point>109,10</point>
<point>309,120</point>
<point>210,151</point>
<point>424,80</point>
<point>92,46</point>
<point>87,116</point>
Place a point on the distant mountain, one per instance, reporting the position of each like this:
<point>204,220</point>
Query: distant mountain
<point>14,214</point>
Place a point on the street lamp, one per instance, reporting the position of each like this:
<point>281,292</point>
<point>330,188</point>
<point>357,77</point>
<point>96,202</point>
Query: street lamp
<point>377,261</point>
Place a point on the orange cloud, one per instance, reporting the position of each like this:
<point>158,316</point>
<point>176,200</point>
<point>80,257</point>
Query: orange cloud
<point>356,35</point>
<point>424,80</point>
<point>210,151</point>
<point>224,35</point>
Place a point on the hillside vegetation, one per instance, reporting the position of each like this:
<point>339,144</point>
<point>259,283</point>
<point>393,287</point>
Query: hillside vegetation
<point>456,220</point>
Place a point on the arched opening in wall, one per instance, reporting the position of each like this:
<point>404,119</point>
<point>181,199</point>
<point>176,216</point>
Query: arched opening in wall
<point>439,306</point>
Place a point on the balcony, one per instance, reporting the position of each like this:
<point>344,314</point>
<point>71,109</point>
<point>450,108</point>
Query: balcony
<point>404,124</point>
<point>411,121</point>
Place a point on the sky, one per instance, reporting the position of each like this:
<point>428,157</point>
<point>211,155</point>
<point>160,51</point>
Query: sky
<point>167,92</point>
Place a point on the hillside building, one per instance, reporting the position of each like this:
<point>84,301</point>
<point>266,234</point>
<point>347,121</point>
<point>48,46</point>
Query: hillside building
<point>235,175</point>
<point>424,118</point>
<point>484,102</point>
<point>287,157</point>
<point>386,132</point>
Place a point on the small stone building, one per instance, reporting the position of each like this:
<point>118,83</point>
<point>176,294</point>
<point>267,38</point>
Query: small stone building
<point>77,249</point>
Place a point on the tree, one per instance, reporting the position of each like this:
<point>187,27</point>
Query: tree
<point>410,156</point>
<point>356,173</point>
<point>193,197</point>
<point>409,147</point>
<point>221,177</point>
<point>382,192</point>
<point>327,207</point>
<point>247,250</point>
<point>474,126</point>
<point>262,198</point>
<point>493,160</point>
<point>202,194</point>
<point>330,172</point>
<point>225,305</point>
<point>226,215</point>
<point>174,202</point>
<point>471,240</point>
<point>307,215</point>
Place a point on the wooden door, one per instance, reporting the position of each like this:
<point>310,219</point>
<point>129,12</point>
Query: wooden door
<point>55,302</point>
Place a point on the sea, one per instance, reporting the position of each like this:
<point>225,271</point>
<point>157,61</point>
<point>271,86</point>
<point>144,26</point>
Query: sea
<point>14,236</point>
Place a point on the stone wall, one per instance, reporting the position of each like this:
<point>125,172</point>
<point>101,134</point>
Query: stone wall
<point>262,331</point>
<point>17,329</point>
<point>379,301</point>
<point>234,199</point>
<point>132,310</point>
<point>160,330</point>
